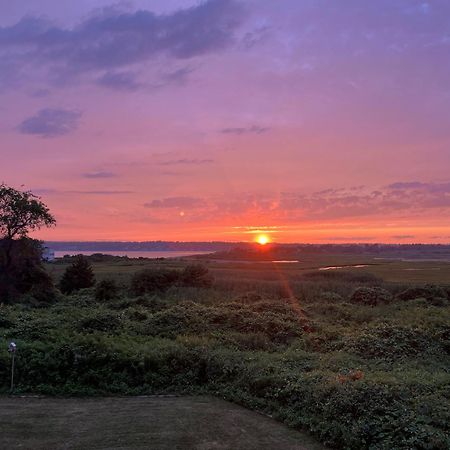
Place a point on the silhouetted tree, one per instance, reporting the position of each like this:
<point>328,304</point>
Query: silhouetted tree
<point>21,269</point>
<point>77,276</point>
<point>21,212</point>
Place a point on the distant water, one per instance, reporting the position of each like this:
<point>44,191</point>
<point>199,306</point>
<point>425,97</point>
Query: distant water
<point>130,253</point>
<point>343,267</point>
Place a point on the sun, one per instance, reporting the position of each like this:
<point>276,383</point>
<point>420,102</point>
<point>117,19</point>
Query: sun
<point>262,239</point>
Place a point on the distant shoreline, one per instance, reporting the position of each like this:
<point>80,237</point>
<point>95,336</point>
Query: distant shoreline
<point>130,253</point>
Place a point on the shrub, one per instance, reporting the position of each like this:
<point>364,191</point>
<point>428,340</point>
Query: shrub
<point>196,275</point>
<point>249,298</point>
<point>150,303</point>
<point>332,297</point>
<point>193,318</point>
<point>394,342</point>
<point>432,293</point>
<point>21,272</point>
<point>5,321</point>
<point>77,276</point>
<point>370,296</point>
<point>106,290</point>
<point>99,321</point>
<point>153,280</point>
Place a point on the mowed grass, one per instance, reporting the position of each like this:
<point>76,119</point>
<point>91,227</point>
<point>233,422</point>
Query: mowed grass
<point>165,423</point>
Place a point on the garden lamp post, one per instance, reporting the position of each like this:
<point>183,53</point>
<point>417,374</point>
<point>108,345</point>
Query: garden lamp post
<point>12,349</point>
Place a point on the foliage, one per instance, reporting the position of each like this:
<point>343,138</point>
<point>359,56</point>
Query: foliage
<point>21,212</point>
<point>196,275</point>
<point>77,276</point>
<point>432,293</point>
<point>371,296</point>
<point>153,280</point>
<point>21,272</point>
<point>356,375</point>
<point>106,290</point>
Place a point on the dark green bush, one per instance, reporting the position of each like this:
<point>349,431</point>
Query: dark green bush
<point>106,290</point>
<point>22,276</point>
<point>5,320</point>
<point>153,280</point>
<point>151,303</point>
<point>100,321</point>
<point>370,296</point>
<point>193,318</point>
<point>77,276</point>
<point>430,292</point>
<point>196,275</point>
<point>393,341</point>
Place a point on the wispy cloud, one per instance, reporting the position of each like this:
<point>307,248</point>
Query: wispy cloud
<point>62,192</point>
<point>329,204</point>
<point>99,174</point>
<point>176,202</point>
<point>187,162</point>
<point>121,81</point>
<point>178,76</point>
<point>118,192</point>
<point>254,129</point>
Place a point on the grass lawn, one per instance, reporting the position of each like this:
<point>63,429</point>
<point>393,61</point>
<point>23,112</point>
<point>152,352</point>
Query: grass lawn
<point>141,423</point>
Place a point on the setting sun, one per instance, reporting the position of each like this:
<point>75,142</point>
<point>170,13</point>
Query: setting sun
<point>262,239</point>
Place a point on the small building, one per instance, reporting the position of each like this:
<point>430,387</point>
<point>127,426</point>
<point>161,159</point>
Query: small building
<point>48,254</point>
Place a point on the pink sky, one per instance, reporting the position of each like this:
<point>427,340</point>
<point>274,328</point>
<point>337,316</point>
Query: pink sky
<point>310,120</point>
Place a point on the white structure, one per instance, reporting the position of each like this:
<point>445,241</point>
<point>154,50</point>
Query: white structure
<point>48,254</point>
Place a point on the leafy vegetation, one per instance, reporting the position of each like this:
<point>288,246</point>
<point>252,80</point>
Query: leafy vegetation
<point>345,357</point>
<point>21,270</point>
<point>77,276</point>
<point>106,290</point>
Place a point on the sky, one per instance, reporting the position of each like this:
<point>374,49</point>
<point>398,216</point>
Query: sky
<point>308,120</point>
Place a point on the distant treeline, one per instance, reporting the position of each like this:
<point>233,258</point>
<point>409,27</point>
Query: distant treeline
<point>140,246</point>
<point>245,250</point>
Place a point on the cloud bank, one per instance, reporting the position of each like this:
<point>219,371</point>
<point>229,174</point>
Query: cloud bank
<point>112,39</point>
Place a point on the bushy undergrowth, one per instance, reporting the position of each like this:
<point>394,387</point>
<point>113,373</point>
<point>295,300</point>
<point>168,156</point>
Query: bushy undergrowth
<point>357,374</point>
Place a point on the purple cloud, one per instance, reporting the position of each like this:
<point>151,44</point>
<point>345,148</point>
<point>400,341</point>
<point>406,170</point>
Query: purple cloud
<point>113,39</point>
<point>189,162</point>
<point>50,123</point>
<point>329,204</point>
<point>121,81</point>
<point>100,192</point>
<point>407,185</point>
<point>176,202</point>
<point>99,174</point>
<point>254,129</point>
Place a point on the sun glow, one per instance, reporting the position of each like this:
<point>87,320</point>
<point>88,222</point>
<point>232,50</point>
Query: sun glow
<point>262,239</point>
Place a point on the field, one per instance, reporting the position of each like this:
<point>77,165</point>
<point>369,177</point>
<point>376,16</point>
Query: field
<point>199,423</point>
<point>391,270</point>
<point>357,356</point>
